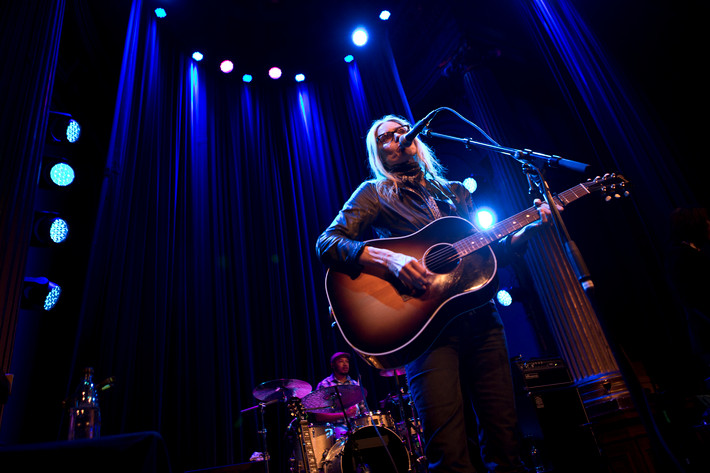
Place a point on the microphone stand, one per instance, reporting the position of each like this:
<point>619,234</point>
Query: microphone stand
<point>518,154</point>
<point>532,163</point>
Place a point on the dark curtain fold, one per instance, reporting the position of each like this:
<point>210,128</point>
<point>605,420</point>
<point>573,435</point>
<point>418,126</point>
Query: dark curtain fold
<point>622,137</point>
<point>579,103</point>
<point>30,39</point>
<point>29,33</point>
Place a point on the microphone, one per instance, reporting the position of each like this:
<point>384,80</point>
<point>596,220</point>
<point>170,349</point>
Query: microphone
<point>406,140</point>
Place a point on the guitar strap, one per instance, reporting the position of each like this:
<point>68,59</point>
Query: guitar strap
<point>411,174</point>
<point>426,196</point>
<point>432,205</point>
<point>430,202</point>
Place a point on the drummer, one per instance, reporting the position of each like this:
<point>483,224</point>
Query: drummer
<point>340,365</point>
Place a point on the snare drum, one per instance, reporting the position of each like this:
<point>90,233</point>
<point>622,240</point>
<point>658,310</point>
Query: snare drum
<point>372,449</point>
<point>375,418</point>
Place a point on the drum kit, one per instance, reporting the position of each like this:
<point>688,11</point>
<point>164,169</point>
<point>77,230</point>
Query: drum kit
<point>387,440</point>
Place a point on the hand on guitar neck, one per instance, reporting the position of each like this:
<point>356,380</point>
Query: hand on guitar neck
<point>413,274</point>
<point>524,234</point>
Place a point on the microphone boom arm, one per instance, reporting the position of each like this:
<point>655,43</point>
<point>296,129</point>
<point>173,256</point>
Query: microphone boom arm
<point>524,156</point>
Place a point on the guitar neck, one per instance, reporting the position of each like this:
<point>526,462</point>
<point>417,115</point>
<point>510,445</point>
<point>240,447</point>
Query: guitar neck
<point>516,222</point>
<point>308,449</point>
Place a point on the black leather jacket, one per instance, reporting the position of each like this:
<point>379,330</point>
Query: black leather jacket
<point>384,215</point>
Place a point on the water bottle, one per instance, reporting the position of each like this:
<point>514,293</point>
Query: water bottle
<point>84,414</point>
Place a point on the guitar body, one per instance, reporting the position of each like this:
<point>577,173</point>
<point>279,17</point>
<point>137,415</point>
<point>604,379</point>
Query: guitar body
<point>389,325</point>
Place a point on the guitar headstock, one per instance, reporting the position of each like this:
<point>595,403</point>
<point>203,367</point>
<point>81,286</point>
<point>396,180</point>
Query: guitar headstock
<point>295,407</point>
<point>612,186</point>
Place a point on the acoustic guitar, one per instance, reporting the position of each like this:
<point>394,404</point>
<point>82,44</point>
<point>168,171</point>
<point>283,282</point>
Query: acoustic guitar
<point>389,324</point>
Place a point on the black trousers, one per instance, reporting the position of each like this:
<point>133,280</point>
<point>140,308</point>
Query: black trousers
<point>468,367</point>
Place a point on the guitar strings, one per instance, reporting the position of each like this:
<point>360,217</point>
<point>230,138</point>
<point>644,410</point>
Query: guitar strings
<point>445,256</point>
<point>442,257</point>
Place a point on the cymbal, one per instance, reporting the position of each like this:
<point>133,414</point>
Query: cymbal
<point>281,389</point>
<point>326,400</point>
<point>392,372</point>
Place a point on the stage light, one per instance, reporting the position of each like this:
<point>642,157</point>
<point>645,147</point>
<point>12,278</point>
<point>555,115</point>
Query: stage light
<point>73,131</point>
<point>485,218</point>
<point>58,230</point>
<point>275,73</point>
<point>49,228</point>
<point>300,77</point>
<point>247,78</point>
<point>197,56</point>
<point>470,184</point>
<point>226,66</point>
<point>40,293</point>
<point>384,15</point>
<point>349,58</point>
<point>60,173</point>
<point>63,128</point>
<point>160,12</point>
<point>504,298</point>
<point>360,36</point>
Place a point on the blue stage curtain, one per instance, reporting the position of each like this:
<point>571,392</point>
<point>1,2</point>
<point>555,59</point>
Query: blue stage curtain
<point>28,30</point>
<point>203,281</point>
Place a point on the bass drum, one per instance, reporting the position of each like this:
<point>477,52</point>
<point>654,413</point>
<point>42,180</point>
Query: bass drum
<point>342,458</point>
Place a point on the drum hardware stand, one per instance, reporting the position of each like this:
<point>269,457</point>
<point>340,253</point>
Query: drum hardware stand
<point>361,465</point>
<point>409,425</point>
<point>402,414</point>
<point>261,429</point>
<point>421,460</point>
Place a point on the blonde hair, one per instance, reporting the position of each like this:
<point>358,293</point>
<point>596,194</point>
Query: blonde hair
<point>424,156</point>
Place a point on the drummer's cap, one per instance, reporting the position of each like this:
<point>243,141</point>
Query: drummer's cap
<point>340,354</point>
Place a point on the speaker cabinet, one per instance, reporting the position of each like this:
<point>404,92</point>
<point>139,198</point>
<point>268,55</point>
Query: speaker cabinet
<point>556,433</point>
<point>568,443</point>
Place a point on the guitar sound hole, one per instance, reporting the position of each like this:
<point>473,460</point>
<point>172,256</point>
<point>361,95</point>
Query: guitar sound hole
<point>441,258</point>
